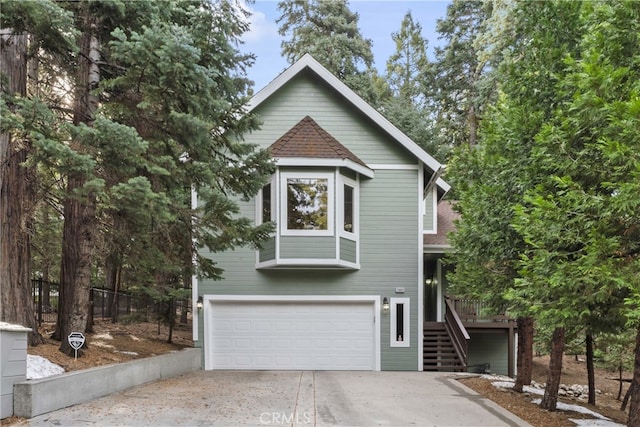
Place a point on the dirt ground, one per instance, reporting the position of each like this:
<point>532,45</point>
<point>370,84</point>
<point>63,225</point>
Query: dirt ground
<point>573,372</point>
<point>116,343</point>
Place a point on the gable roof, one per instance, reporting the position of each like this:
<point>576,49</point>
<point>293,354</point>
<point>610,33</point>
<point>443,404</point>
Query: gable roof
<point>308,62</point>
<point>308,140</point>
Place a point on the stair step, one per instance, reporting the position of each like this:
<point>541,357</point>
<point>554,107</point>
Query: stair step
<point>439,353</point>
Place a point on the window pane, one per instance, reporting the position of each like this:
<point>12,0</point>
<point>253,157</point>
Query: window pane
<point>266,203</point>
<point>307,200</point>
<point>348,209</point>
<point>400,322</point>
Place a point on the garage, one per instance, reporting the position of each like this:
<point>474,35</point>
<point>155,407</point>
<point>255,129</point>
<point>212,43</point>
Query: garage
<point>306,333</point>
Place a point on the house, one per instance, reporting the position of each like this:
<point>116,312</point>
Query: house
<point>342,283</point>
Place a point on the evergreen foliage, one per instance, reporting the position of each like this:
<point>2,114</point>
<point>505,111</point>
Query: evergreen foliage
<point>328,30</point>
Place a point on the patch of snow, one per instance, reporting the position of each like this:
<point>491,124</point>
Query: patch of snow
<point>575,408</point>
<point>595,423</point>
<point>39,367</point>
<point>130,353</point>
<point>510,384</point>
<point>133,337</point>
<point>106,336</point>
<point>501,381</point>
<point>101,344</point>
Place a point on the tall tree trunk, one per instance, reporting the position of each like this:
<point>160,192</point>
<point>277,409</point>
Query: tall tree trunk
<point>473,125</point>
<point>78,240</point>
<point>524,361</point>
<point>17,194</point>
<point>186,283</point>
<point>634,409</point>
<point>550,398</point>
<point>591,379</point>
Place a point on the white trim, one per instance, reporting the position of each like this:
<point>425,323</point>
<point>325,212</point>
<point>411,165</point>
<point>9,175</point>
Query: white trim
<point>420,272</point>
<point>355,233</point>
<point>406,319</point>
<point>315,162</point>
<point>330,177</point>
<point>209,300</point>
<point>278,213</point>
<point>437,249</point>
<point>195,315</point>
<point>382,166</point>
<point>260,198</point>
<point>432,197</point>
<point>440,296</point>
<point>194,278</point>
<point>443,185</point>
<point>294,263</point>
<point>307,61</point>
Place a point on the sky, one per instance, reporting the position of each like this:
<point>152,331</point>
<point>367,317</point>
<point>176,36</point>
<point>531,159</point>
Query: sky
<point>378,20</point>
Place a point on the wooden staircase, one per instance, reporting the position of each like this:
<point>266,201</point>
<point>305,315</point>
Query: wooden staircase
<point>439,353</point>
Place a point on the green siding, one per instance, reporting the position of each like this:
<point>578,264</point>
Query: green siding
<point>390,249</point>
<point>489,347</point>
<point>304,96</point>
<point>268,251</point>
<point>321,247</point>
<point>348,250</point>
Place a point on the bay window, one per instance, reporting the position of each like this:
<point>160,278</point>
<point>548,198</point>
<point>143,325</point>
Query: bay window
<point>307,204</point>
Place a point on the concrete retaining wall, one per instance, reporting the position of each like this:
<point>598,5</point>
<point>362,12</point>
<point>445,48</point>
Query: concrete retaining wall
<point>36,397</point>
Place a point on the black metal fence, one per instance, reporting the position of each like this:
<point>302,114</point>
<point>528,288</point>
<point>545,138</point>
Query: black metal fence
<point>106,304</point>
<point>45,298</point>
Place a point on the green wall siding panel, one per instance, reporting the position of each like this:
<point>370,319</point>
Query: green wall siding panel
<point>348,250</point>
<point>322,247</point>
<point>268,251</point>
<point>489,347</point>
<point>303,96</point>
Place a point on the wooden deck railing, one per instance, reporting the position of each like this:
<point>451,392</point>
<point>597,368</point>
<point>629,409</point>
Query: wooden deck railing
<point>457,332</point>
<point>470,310</point>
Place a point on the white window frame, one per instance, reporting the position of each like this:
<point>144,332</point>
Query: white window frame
<point>330,177</point>
<point>406,337</point>
<point>260,198</point>
<point>355,231</point>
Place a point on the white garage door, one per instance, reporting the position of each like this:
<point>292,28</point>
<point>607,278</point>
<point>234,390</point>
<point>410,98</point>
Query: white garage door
<point>290,335</point>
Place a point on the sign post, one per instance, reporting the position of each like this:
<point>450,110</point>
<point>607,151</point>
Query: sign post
<point>76,341</point>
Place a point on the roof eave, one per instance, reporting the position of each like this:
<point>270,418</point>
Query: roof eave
<point>306,161</point>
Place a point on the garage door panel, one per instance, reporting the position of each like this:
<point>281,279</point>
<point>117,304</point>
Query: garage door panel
<point>291,335</point>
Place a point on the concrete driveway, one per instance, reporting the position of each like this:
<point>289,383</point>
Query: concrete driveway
<point>290,398</point>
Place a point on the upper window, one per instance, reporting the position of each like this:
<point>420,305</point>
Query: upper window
<point>348,208</point>
<point>266,203</point>
<point>308,207</point>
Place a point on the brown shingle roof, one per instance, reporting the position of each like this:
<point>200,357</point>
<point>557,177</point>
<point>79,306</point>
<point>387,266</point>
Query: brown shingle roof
<point>307,139</point>
<point>446,218</point>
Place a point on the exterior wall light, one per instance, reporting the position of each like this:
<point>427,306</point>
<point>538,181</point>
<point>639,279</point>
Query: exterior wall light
<point>199,304</point>
<point>385,305</point>
<point>431,281</point>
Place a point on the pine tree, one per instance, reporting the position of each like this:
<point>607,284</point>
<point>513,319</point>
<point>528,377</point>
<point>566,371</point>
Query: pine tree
<point>462,89</point>
<point>491,179</point>
<point>408,73</point>
<point>581,222</point>
<point>28,28</point>
<point>328,30</point>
